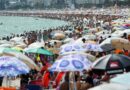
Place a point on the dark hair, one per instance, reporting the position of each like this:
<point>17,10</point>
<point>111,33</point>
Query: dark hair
<point>83,40</point>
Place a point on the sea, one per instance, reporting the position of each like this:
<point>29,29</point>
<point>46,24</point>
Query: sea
<point>17,24</point>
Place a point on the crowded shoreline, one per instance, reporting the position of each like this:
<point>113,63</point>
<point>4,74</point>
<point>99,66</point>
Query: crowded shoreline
<point>71,17</point>
<point>84,30</point>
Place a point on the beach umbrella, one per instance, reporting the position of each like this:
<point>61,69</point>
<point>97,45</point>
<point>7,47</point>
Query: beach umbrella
<point>85,55</point>
<point>58,42</point>
<point>115,43</point>
<point>116,33</point>
<point>71,63</point>
<point>20,56</point>
<point>29,62</point>
<point>112,64</point>
<point>38,51</point>
<point>36,45</point>
<point>59,36</point>
<point>17,39</point>
<point>110,86</point>
<point>121,79</point>
<point>92,47</point>
<point>93,30</point>
<point>6,49</point>
<point>70,47</point>
<point>6,45</point>
<point>21,45</point>
<point>54,50</point>
<point>102,32</point>
<point>68,32</point>
<point>120,33</point>
<point>11,66</point>
<point>68,40</point>
<point>17,49</point>
<point>4,42</point>
<point>86,37</point>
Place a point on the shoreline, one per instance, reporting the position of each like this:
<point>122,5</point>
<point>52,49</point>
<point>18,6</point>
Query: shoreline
<point>38,29</point>
<point>76,20</point>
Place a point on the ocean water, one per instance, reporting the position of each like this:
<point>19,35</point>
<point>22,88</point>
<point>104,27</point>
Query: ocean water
<point>15,24</point>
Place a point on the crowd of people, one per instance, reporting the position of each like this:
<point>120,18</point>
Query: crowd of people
<point>77,25</point>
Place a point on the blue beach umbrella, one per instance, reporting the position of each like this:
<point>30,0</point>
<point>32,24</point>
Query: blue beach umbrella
<point>71,63</point>
<point>93,47</point>
<point>11,66</point>
<point>71,47</point>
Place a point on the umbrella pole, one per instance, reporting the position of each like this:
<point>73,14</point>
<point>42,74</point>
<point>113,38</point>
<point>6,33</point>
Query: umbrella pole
<point>75,86</point>
<point>69,82</point>
<point>7,83</point>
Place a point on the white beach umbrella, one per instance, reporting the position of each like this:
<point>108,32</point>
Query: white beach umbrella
<point>6,45</point>
<point>120,33</point>
<point>111,86</point>
<point>55,41</point>
<point>17,39</point>
<point>115,43</point>
<point>73,62</point>
<point>4,42</point>
<point>71,47</point>
<point>36,45</point>
<point>68,40</point>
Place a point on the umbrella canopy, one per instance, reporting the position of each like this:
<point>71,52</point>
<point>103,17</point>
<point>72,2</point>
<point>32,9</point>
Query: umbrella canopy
<point>5,49</point>
<point>123,79</point>
<point>120,33</point>
<point>22,45</point>
<point>111,86</point>
<point>92,47</point>
<point>17,49</point>
<point>29,62</point>
<point>11,66</point>
<point>17,39</point>
<point>71,63</point>
<point>57,43</point>
<point>20,56</point>
<point>85,55</point>
<point>36,45</point>
<point>115,43</point>
<point>71,47</point>
<point>6,45</point>
<point>59,36</point>
<point>39,51</point>
<point>86,37</point>
<point>112,64</point>
<point>68,40</point>
<point>4,42</point>
<point>102,32</point>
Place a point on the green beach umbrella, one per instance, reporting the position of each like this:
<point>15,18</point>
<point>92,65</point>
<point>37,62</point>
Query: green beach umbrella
<point>39,51</point>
